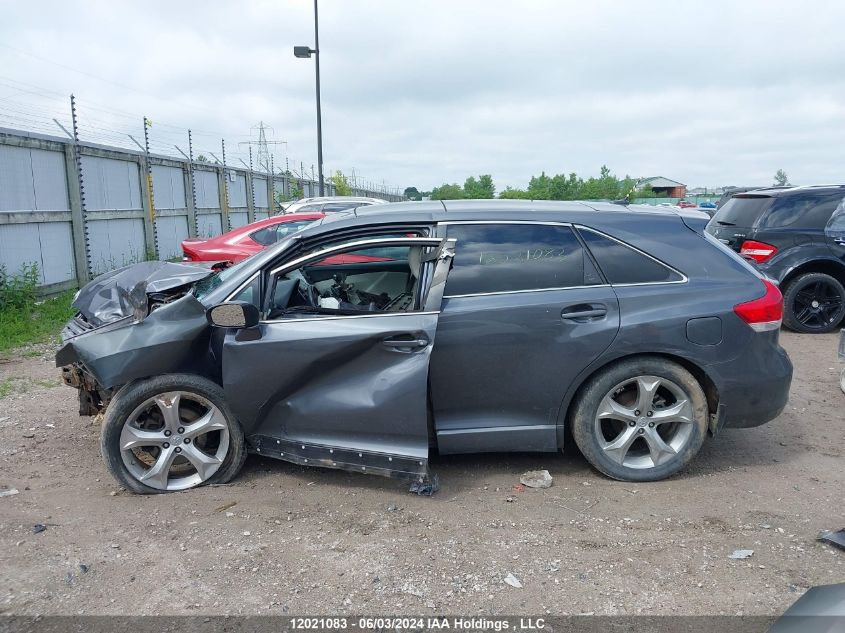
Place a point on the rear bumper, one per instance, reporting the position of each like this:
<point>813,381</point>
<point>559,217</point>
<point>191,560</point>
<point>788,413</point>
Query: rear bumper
<point>753,388</point>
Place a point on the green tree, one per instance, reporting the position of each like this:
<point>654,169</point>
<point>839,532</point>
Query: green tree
<point>481,188</point>
<point>341,184</point>
<point>781,178</point>
<point>202,158</point>
<point>539,187</point>
<point>412,193</point>
<point>514,194</point>
<point>448,192</point>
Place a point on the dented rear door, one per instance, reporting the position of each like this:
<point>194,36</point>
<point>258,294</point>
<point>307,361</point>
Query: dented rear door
<point>342,391</point>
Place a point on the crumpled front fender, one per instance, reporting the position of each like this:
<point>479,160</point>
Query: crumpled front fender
<point>174,337</point>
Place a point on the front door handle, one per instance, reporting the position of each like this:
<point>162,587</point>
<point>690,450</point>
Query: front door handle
<point>405,344</point>
<point>583,312</point>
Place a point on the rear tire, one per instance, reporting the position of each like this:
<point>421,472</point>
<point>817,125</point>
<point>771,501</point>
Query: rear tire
<point>171,432</point>
<point>813,303</point>
<point>642,419</point>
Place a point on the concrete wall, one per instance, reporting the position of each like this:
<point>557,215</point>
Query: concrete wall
<point>74,225</point>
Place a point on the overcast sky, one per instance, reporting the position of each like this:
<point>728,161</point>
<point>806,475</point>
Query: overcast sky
<point>429,91</point>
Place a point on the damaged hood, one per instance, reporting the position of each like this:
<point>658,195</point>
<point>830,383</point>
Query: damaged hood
<point>123,292</point>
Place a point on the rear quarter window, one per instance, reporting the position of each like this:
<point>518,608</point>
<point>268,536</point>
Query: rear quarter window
<point>493,258</point>
<point>622,264</point>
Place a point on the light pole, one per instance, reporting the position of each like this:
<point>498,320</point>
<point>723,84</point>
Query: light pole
<point>306,52</point>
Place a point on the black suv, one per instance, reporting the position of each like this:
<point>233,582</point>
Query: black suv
<point>796,236</point>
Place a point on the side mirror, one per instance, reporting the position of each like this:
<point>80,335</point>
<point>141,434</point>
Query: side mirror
<point>239,314</point>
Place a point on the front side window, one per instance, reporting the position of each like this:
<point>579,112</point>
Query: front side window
<point>367,280</point>
<point>622,264</point>
<point>492,258</point>
<point>836,225</point>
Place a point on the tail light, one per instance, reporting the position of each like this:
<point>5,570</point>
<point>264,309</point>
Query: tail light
<point>760,252</point>
<point>763,314</point>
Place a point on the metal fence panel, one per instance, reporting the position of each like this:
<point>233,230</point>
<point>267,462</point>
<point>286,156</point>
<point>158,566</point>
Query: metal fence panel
<point>16,187</point>
<point>237,190</point>
<point>261,215</point>
<point>171,230</point>
<point>115,243</point>
<point>111,184</point>
<point>208,193</point>
<point>50,180</point>
<point>238,218</point>
<point>57,262</point>
<point>259,188</point>
<point>45,244</point>
<point>209,224</point>
<point>32,180</point>
<point>168,187</point>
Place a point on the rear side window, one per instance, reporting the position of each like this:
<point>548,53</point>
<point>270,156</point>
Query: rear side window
<point>801,212</point>
<point>331,207</point>
<point>622,264</point>
<point>493,258</point>
<point>742,211</point>
<point>275,232</point>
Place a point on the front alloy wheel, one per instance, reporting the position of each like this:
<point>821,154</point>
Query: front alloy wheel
<point>171,433</point>
<point>641,420</point>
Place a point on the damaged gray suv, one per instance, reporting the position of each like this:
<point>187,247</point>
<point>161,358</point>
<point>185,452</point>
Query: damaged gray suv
<point>374,337</point>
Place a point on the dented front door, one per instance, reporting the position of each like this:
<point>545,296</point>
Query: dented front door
<point>341,391</point>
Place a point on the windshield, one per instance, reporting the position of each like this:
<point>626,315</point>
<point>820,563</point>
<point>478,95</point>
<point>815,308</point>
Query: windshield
<point>742,211</point>
<point>208,284</point>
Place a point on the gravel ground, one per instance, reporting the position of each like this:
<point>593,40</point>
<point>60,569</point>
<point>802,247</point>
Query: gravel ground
<point>284,539</point>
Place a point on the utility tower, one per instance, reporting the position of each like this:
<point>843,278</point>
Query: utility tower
<point>263,146</point>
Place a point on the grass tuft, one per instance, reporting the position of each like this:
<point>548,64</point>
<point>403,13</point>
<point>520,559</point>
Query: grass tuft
<point>23,318</point>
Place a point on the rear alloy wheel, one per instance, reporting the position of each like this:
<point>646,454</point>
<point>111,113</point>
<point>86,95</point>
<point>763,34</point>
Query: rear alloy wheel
<point>641,420</point>
<point>171,433</point>
<point>814,303</point>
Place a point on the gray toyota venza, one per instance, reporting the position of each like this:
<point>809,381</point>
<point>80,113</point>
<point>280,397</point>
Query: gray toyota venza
<point>374,337</point>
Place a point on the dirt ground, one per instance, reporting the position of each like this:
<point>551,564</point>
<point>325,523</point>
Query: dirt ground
<point>283,539</point>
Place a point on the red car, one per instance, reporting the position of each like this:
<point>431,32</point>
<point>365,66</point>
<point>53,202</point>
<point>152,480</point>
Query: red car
<point>686,204</point>
<point>240,243</point>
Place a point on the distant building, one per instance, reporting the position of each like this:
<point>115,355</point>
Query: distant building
<point>705,191</point>
<point>662,185</point>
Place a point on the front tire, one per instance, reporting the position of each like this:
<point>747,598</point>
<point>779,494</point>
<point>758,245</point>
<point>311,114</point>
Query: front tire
<point>813,303</point>
<point>171,432</point>
<point>642,419</point>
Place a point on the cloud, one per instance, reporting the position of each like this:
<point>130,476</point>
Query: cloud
<point>708,93</point>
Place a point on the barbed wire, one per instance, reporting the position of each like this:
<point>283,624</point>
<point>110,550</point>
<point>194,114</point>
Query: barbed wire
<point>33,108</point>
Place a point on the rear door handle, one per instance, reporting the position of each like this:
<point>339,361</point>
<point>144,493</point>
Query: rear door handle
<point>405,344</point>
<point>583,313</point>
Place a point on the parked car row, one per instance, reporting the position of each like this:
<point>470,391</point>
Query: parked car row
<point>364,342</point>
<point>795,236</point>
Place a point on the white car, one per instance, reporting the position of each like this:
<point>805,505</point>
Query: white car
<point>330,204</point>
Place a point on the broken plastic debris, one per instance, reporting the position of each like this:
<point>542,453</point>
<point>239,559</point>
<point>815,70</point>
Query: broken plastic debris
<point>513,581</point>
<point>9,493</point>
<point>536,479</point>
<point>425,486</point>
<point>739,554</point>
<point>834,538</point>
<point>38,527</point>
